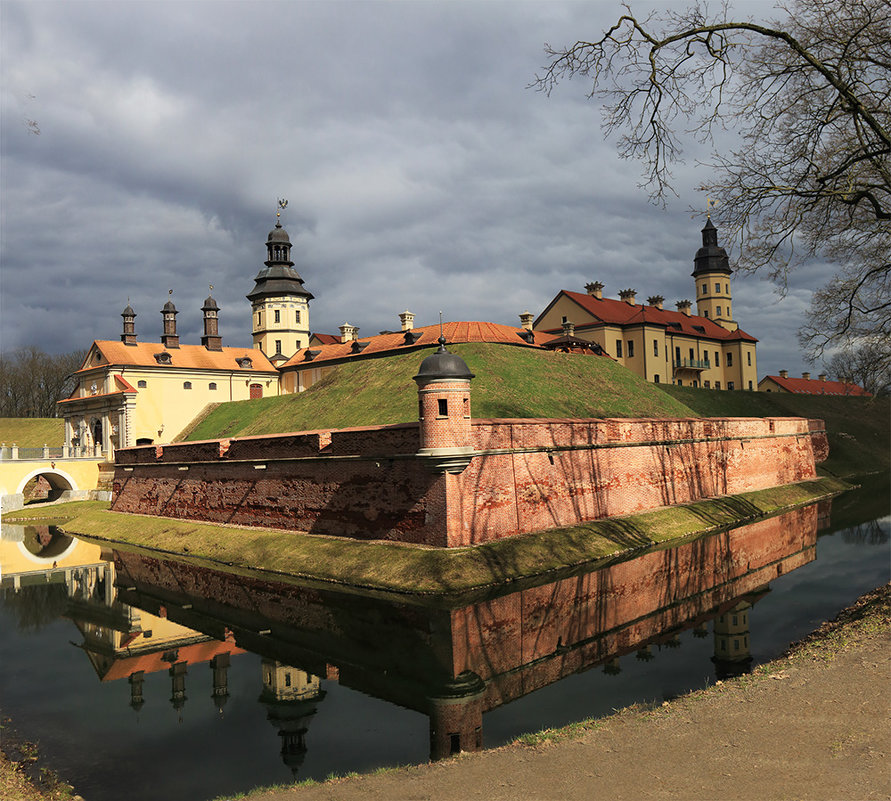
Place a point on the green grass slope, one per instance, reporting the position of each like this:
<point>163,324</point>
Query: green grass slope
<point>510,382</point>
<point>859,429</point>
<point>32,432</point>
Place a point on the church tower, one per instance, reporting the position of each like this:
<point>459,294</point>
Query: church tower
<point>712,276</point>
<point>279,302</point>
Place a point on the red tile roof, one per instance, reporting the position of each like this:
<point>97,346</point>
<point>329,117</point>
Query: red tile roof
<point>326,339</point>
<point>458,332</point>
<point>617,312</point>
<point>811,386</point>
<point>193,357</point>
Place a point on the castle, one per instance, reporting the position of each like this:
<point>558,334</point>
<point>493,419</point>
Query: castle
<point>136,393</point>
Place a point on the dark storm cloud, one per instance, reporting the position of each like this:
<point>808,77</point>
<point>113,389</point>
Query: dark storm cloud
<point>420,169</point>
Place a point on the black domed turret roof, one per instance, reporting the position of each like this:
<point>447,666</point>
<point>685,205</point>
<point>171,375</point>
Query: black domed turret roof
<point>442,365</point>
<point>209,304</point>
<point>710,258</point>
<point>169,307</point>
<point>128,312</point>
<point>278,234</point>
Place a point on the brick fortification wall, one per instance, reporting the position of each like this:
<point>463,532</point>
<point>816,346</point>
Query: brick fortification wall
<point>526,475</point>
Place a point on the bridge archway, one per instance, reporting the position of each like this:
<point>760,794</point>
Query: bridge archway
<point>59,481</point>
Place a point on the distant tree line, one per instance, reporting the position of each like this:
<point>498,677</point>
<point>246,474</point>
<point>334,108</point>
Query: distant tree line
<point>31,381</point>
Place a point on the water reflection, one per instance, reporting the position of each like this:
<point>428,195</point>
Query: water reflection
<point>139,615</point>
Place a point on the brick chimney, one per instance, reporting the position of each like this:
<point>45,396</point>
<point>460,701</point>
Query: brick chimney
<point>628,295</point>
<point>348,332</point>
<point>656,300</point>
<point>684,307</point>
<point>169,338</point>
<point>407,320</point>
<point>806,376</point>
<point>526,319</point>
<point>822,376</point>
<point>784,373</point>
<point>211,339</point>
<point>595,290</point>
<point>128,337</point>
<point>568,329</point>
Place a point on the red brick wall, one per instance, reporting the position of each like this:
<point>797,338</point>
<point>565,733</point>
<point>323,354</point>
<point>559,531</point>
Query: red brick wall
<point>528,475</point>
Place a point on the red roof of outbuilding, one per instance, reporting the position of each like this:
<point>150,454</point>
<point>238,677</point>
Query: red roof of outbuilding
<point>811,386</point>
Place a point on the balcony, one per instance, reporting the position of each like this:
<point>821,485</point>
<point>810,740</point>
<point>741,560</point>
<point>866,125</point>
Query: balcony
<point>691,364</point>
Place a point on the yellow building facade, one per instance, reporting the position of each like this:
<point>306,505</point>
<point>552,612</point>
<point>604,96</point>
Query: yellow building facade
<point>139,393</point>
<point>707,349</point>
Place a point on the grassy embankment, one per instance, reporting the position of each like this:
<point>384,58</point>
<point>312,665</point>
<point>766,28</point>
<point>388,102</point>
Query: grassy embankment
<point>430,575</point>
<point>32,432</point>
<point>510,382</point>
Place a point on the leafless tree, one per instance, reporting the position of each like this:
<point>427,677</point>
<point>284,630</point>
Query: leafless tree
<point>808,98</point>
<point>31,381</point>
<point>868,366</point>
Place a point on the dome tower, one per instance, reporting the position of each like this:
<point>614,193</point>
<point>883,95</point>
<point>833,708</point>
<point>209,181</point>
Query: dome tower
<point>279,301</point>
<point>712,273</point>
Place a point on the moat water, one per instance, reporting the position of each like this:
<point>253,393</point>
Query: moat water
<point>146,679</point>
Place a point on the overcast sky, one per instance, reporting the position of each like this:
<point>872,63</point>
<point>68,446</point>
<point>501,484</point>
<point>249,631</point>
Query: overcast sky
<point>421,171</point>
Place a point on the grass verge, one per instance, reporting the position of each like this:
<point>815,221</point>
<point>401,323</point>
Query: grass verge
<point>432,576</point>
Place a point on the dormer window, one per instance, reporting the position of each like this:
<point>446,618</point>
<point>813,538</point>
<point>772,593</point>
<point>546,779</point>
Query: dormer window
<point>163,358</point>
<point>245,362</point>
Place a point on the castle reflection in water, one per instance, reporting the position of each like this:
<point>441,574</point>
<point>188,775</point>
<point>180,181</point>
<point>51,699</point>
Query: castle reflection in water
<point>452,659</point>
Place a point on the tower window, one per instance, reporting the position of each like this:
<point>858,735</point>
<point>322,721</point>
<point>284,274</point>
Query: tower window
<point>717,287</point>
<point>277,315</point>
<point>749,358</point>
<point>298,315</point>
<point>705,314</point>
<point>619,348</point>
<point>443,405</point>
<point>719,311</point>
<point>656,349</point>
<point>705,289</point>
<point>727,289</point>
<point>278,344</point>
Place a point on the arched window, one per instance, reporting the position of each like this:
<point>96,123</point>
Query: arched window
<point>187,384</point>
<point>141,384</point>
<point>212,385</point>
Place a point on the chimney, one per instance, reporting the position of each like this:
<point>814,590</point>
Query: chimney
<point>526,319</point>
<point>822,376</point>
<point>684,307</point>
<point>595,290</point>
<point>656,300</point>
<point>568,329</point>
<point>348,332</point>
<point>407,319</point>
<point>784,373</point>
<point>169,338</point>
<point>129,335</point>
<point>806,376</point>
<point>628,295</point>
<point>211,339</point>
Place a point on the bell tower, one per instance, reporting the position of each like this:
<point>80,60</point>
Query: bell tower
<point>279,301</point>
<point>712,273</point>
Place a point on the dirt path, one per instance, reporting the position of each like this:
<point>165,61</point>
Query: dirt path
<point>812,725</point>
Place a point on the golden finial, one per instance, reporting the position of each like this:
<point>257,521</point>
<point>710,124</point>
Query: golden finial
<point>282,205</point>
<point>710,203</point>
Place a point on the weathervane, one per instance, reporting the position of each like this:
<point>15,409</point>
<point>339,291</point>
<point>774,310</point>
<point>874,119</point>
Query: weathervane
<point>282,205</point>
<point>710,203</point>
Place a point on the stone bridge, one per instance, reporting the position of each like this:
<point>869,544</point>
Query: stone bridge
<point>68,478</point>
